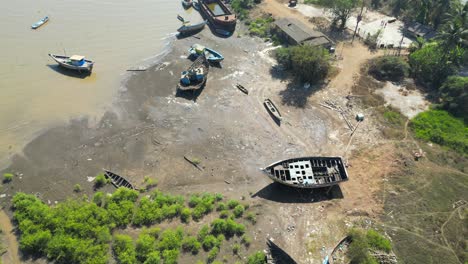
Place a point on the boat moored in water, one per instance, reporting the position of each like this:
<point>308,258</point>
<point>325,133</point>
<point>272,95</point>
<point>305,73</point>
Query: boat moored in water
<point>75,62</point>
<point>40,23</point>
<point>308,172</point>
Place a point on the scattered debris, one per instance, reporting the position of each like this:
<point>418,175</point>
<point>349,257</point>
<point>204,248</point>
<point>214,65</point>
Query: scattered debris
<point>193,162</point>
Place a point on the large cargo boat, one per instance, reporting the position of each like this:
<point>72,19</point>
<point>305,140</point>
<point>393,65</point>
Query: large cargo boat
<point>308,172</point>
<point>218,13</point>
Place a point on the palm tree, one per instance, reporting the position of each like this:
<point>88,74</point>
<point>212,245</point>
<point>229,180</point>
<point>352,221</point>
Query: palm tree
<point>454,32</point>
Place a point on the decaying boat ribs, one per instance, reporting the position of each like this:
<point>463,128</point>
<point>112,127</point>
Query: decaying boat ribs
<point>118,181</point>
<point>308,172</point>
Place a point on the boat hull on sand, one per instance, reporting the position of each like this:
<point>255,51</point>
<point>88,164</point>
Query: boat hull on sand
<point>64,61</point>
<point>308,172</point>
<point>199,64</point>
<point>187,29</point>
<point>272,109</point>
<point>117,180</point>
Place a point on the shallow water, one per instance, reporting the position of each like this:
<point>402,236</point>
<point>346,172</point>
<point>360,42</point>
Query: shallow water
<point>117,34</point>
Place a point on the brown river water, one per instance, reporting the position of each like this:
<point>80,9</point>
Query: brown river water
<point>117,34</point>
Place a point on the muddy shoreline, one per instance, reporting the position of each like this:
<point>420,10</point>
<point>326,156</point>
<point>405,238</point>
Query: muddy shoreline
<point>151,128</point>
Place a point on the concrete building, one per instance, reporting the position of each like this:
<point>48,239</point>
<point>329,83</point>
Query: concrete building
<point>296,33</point>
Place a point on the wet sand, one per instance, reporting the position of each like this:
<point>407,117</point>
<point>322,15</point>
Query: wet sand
<point>151,128</point>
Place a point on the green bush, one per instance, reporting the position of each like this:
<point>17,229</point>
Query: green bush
<point>252,218</point>
<point>454,95</point>
<point>7,177</point>
<point>358,251</point>
<point>210,242</point>
<point>246,240</point>
<point>310,64</point>
<point>75,230</point>
<point>77,188</point>
<point>389,68</point>
<point>204,231</point>
<point>238,211</point>
<point>202,205</point>
<point>191,244</point>
<point>144,246</point>
<point>170,239</point>
<point>378,241</point>
<point>257,258</point>
<point>213,254</point>
<point>185,215</point>
<point>170,256</point>
<point>224,214</point>
<point>431,66</point>
<point>236,249</point>
<point>221,207</point>
<point>233,203</point>
<point>261,27</point>
<point>100,181</point>
<point>440,127</point>
<point>154,257</point>
<point>124,249</point>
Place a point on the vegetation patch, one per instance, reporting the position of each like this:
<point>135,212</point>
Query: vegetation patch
<point>242,7</point>
<point>81,231</point>
<point>440,127</point>
<point>364,243</point>
<point>310,64</point>
<point>7,177</point>
<point>389,68</point>
<point>260,27</point>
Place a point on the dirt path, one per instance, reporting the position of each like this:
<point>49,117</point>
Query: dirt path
<point>11,244</point>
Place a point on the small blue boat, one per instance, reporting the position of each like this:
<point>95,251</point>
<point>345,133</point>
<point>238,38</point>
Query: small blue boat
<point>210,54</point>
<point>40,23</point>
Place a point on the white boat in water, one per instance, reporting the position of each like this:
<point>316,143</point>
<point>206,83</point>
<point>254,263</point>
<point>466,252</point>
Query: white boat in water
<point>75,62</point>
<point>40,23</point>
<point>308,172</point>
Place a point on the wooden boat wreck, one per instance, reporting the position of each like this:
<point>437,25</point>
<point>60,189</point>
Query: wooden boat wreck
<point>242,88</point>
<point>218,13</point>
<point>308,172</point>
<point>40,23</point>
<point>271,107</point>
<point>117,180</point>
<point>75,62</point>
<point>194,77</point>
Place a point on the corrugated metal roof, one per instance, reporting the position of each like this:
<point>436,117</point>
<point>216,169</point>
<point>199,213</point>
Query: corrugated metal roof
<point>300,32</point>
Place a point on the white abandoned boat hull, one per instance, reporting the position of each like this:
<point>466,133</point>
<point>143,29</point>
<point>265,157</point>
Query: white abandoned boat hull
<point>308,172</point>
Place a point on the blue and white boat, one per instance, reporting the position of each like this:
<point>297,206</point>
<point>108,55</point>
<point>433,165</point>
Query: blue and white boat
<point>210,54</point>
<point>40,23</point>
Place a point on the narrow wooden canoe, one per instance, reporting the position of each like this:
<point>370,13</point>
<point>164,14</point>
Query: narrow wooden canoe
<point>308,172</point>
<point>40,23</point>
<point>117,180</point>
<point>271,107</point>
<point>75,62</point>
<point>242,88</point>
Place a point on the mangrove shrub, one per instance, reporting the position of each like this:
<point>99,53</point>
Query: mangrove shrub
<point>310,64</point>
